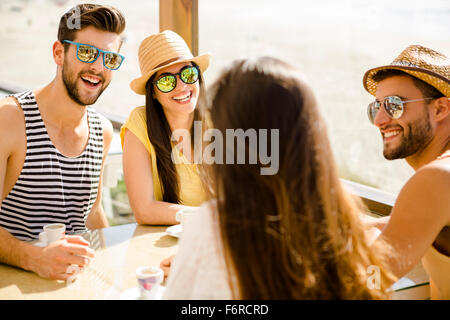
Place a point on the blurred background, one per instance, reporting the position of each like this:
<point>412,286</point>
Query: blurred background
<point>332,42</point>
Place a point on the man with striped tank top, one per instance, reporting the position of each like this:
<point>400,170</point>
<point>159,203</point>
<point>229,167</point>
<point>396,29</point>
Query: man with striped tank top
<point>54,146</point>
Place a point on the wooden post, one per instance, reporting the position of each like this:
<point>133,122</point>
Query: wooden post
<point>180,16</point>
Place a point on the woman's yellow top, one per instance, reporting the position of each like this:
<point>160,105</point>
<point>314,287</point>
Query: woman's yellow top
<point>191,189</point>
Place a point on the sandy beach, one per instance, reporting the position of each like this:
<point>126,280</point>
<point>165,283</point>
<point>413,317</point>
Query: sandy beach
<point>332,42</point>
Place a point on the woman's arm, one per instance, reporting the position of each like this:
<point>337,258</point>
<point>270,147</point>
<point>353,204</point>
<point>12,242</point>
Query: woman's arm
<point>139,181</point>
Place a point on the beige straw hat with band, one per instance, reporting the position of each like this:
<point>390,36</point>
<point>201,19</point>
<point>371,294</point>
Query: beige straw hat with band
<point>423,63</point>
<point>160,51</point>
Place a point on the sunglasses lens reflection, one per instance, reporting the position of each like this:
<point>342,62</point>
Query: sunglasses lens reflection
<point>394,107</point>
<point>166,84</point>
<point>189,75</point>
<point>87,53</point>
<point>112,61</point>
<point>372,110</point>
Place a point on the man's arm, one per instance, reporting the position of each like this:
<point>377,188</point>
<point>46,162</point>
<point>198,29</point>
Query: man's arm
<point>97,217</point>
<point>11,249</point>
<point>419,214</point>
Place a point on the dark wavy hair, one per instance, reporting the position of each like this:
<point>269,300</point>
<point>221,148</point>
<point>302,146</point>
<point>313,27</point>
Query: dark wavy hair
<point>105,18</point>
<point>426,89</point>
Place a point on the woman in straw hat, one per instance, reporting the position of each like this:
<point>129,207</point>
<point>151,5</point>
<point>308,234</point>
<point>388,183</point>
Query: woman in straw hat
<point>161,179</point>
<point>292,235</point>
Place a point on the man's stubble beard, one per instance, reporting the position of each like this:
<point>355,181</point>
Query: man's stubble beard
<point>70,84</point>
<point>419,135</point>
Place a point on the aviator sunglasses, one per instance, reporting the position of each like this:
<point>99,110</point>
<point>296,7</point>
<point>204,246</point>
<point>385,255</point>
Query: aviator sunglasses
<point>393,105</point>
<point>89,54</point>
<point>168,81</point>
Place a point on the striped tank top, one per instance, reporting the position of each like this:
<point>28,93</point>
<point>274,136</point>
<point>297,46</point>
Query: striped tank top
<point>51,187</point>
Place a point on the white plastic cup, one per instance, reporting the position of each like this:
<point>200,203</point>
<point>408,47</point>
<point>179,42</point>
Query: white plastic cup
<point>52,232</point>
<point>149,280</point>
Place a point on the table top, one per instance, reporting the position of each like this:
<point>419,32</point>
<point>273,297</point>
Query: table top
<point>120,250</point>
<point>413,286</point>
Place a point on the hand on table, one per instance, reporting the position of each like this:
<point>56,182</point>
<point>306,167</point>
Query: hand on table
<point>165,266</point>
<point>54,260</point>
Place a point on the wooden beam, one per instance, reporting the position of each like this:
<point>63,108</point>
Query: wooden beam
<point>180,16</point>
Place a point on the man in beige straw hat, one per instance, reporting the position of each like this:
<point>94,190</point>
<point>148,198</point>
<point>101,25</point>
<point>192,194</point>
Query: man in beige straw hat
<point>51,161</point>
<point>412,112</point>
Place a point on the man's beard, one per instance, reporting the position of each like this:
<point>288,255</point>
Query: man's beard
<point>418,138</point>
<point>70,82</point>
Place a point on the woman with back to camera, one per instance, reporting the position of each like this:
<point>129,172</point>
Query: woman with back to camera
<point>295,234</point>
<point>161,179</point>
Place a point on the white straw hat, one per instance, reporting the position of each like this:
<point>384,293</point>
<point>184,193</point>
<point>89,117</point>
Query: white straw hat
<point>162,50</point>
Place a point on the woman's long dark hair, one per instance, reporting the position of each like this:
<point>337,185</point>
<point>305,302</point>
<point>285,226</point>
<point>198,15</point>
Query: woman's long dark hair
<point>295,234</point>
<point>159,134</point>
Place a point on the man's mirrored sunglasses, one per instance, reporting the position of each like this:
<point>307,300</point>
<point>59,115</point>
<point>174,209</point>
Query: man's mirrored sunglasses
<point>393,105</point>
<point>89,54</point>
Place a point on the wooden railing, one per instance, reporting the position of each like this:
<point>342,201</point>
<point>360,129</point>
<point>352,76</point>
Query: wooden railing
<point>10,88</point>
<point>378,202</point>
<point>116,120</point>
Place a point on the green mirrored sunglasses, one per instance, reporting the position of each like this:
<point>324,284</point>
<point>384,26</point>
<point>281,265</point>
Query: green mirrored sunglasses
<point>168,81</point>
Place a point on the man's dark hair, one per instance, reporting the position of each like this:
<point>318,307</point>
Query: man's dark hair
<point>104,18</point>
<point>426,89</point>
